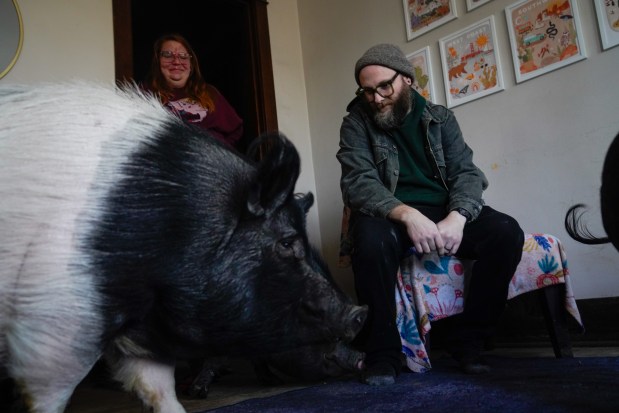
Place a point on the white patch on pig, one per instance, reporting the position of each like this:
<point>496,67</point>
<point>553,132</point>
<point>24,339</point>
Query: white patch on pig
<point>153,383</point>
<point>52,182</point>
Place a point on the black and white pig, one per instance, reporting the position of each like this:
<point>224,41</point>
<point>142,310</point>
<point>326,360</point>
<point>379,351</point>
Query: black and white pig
<point>609,204</point>
<point>125,232</point>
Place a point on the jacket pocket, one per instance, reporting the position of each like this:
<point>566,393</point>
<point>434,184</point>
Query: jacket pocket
<point>381,157</point>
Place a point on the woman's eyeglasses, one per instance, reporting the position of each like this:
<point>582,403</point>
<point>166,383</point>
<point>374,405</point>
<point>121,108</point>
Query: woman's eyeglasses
<point>169,56</point>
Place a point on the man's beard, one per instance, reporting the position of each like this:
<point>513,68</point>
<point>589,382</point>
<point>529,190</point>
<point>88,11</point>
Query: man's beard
<point>393,118</point>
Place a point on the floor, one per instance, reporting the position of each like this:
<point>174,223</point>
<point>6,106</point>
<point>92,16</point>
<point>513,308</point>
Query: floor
<point>237,385</point>
<point>240,384</point>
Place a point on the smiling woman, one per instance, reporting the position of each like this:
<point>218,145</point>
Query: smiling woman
<point>11,33</point>
<point>176,79</point>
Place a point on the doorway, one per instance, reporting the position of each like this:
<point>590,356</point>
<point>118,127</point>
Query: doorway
<point>230,38</point>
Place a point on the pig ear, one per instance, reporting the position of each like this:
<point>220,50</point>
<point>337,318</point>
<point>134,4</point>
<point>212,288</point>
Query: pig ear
<point>277,173</point>
<point>306,201</point>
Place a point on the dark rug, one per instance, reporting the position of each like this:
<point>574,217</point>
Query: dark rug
<point>540,385</point>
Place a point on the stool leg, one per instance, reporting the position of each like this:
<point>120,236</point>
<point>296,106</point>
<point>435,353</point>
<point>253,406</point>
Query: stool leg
<point>553,306</point>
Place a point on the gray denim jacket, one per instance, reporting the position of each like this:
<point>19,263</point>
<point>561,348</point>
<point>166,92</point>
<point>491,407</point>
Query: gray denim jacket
<point>370,166</point>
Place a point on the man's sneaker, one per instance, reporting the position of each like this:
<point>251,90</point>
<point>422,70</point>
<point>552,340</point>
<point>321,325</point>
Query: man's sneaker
<point>379,374</point>
<point>474,365</point>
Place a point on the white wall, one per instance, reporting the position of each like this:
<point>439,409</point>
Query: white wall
<point>541,143</point>
<point>290,96</point>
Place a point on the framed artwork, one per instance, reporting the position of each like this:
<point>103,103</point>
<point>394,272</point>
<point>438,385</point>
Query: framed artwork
<point>422,69</point>
<point>421,16</point>
<point>473,4</point>
<point>544,36</point>
<point>608,20</point>
<point>470,60</point>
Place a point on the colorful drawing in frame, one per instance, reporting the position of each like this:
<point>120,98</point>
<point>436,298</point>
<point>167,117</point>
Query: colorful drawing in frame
<point>422,69</point>
<point>421,16</point>
<point>544,35</point>
<point>608,20</point>
<point>473,4</point>
<point>471,63</point>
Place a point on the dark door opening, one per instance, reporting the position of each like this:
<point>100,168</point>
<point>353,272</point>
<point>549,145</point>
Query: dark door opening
<point>230,38</point>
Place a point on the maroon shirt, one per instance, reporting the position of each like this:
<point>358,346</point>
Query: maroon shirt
<point>223,123</point>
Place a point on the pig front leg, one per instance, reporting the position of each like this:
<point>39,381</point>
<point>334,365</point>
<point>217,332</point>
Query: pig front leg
<point>44,382</point>
<point>211,369</point>
<point>152,381</point>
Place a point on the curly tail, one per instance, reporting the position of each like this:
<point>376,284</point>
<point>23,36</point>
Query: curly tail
<point>577,230</point>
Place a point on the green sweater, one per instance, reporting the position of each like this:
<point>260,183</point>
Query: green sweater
<point>416,182</point>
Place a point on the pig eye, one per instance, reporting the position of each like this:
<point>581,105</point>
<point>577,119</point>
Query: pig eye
<point>291,247</point>
<point>286,243</point>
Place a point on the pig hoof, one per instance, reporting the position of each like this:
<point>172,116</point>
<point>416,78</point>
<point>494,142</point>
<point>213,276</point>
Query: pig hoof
<point>201,384</point>
<point>197,392</point>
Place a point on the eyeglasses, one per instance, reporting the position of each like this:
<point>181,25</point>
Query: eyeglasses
<point>169,56</point>
<point>384,89</point>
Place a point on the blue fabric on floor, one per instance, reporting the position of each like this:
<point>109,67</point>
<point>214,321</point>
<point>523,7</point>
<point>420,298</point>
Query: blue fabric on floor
<point>545,385</point>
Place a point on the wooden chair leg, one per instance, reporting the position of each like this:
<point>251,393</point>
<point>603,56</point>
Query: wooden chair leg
<point>552,299</point>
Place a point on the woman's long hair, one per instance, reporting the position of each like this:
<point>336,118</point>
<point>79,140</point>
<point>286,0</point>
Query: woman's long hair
<point>196,88</point>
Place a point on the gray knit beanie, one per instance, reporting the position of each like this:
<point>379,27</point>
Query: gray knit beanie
<point>387,55</point>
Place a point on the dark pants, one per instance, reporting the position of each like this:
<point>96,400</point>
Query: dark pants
<point>494,240</point>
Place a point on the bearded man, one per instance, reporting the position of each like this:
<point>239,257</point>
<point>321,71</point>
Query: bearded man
<point>410,182</point>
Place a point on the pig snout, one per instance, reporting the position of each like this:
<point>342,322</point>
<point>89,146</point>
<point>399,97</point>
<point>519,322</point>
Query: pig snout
<point>346,357</point>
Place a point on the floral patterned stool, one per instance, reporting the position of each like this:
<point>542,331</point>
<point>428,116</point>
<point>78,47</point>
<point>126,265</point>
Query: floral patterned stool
<point>431,288</point>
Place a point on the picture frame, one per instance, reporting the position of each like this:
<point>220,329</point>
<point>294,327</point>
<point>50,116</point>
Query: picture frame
<point>471,63</point>
<point>473,4</point>
<point>422,69</point>
<point>421,16</point>
<point>544,36</point>
<point>608,22</point>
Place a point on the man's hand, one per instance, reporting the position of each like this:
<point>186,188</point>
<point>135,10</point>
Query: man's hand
<point>451,229</point>
<point>424,233</point>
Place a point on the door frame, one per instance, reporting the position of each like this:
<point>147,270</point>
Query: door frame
<point>262,84</point>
